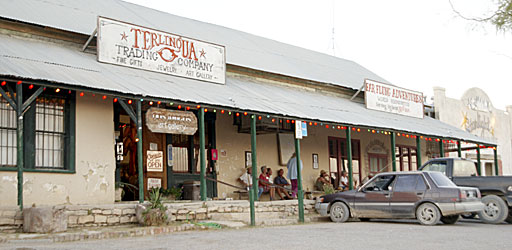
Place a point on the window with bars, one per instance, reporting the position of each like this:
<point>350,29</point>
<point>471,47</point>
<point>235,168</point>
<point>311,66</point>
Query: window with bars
<point>48,133</point>
<point>7,134</point>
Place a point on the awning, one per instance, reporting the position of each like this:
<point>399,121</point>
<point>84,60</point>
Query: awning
<point>60,64</point>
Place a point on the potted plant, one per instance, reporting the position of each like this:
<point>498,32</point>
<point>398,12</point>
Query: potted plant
<point>173,193</point>
<point>154,213</point>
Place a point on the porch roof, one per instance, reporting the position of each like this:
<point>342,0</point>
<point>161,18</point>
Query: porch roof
<point>67,66</point>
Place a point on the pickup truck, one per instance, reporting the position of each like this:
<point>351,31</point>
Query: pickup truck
<point>496,191</point>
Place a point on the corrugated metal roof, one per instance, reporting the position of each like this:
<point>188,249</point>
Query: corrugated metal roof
<point>242,49</point>
<point>38,60</point>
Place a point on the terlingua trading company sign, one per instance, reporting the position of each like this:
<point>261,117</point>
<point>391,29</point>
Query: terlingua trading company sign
<point>392,99</point>
<point>171,121</point>
<point>134,46</point>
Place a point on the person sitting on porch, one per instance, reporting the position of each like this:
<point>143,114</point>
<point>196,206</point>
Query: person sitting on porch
<point>246,178</point>
<point>281,182</point>
<point>264,185</point>
<point>343,181</point>
<point>322,180</point>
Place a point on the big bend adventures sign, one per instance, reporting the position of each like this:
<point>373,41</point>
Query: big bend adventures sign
<point>143,48</point>
<point>393,99</point>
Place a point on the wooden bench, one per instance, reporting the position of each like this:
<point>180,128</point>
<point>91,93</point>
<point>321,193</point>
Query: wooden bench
<point>242,193</point>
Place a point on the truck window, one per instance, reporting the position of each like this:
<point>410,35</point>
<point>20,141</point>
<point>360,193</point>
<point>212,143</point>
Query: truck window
<point>438,166</point>
<point>464,168</point>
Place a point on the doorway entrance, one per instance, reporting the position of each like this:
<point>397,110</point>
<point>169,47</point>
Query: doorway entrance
<point>338,159</point>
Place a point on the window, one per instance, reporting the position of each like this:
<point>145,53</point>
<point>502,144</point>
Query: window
<point>421,185</point>
<point>378,163</point>
<point>7,135</point>
<point>406,157</point>
<point>464,168</point>
<point>441,180</point>
<point>439,166</point>
<point>406,183</point>
<point>380,183</point>
<point>48,133</point>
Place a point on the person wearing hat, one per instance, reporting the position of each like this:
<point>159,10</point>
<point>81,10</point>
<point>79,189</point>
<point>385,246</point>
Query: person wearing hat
<point>322,180</point>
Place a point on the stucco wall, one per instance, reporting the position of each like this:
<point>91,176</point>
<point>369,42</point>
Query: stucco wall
<point>231,165</point>
<point>497,128</point>
<point>93,182</point>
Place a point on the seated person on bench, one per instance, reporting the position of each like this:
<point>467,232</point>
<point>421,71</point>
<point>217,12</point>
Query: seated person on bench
<point>280,181</point>
<point>246,178</point>
<point>264,184</point>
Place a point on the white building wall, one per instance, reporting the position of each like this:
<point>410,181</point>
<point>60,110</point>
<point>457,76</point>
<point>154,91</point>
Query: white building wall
<point>474,113</point>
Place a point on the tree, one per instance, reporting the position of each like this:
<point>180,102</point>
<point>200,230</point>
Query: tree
<point>501,18</point>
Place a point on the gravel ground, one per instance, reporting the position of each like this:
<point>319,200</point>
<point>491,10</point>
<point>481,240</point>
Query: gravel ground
<point>352,235</point>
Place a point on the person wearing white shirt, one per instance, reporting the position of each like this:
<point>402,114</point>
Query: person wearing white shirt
<point>292,174</point>
<point>344,181</point>
<point>246,178</point>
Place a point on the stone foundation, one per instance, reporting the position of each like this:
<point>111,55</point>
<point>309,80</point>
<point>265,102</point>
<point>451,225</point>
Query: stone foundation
<point>267,213</point>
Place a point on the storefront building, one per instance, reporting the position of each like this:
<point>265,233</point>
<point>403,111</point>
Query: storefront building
<point>107,93</point>
<point>474,113</point>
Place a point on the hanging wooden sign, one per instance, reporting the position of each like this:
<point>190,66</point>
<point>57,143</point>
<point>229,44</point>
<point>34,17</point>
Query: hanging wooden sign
<point>171,122</point>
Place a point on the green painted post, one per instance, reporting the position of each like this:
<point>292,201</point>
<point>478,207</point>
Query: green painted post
<point>441,148</point>
<point>19,142</point>
<point>140,170</point>
<point>496,167</point>
<point>393,154</point>
<point>478,162</point>
<point>254,188</point>
<point>349,158</point>
<point>459,149</point>
<point>300,195</point>
<point>418,152</point>
<point>202,156</point>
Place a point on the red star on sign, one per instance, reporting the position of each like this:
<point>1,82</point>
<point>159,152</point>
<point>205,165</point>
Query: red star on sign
<point>124,36</point>
<point>203,53</point>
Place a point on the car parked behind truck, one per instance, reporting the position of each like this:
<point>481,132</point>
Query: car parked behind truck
<point>496,191</point>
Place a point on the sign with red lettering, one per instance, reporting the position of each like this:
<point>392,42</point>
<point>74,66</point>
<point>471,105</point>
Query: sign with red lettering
<point>393,99</point>
<point>138,47</point>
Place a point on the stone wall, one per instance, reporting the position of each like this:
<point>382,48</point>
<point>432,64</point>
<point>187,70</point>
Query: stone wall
<point>267,213</point>
<point>11,219</point>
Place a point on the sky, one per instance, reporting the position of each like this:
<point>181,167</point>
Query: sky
<point>413,44</point>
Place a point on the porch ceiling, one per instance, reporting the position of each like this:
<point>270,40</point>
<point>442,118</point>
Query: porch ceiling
<point>68,66</point>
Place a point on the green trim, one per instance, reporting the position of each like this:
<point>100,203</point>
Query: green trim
<point>393,154</point>
<point>418,152</point>
<point>478,161</point>
<point>496,166</point>
<point>349,158</point>
<point>253,188</point>
<point>202,156</point>
<point>441,148</point>
<point>459,149</point>
<point>38,170</point>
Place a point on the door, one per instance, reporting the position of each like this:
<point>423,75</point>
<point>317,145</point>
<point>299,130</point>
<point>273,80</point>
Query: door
<point>406,192</point>
<point>373,200</point>
<point>338,160</point>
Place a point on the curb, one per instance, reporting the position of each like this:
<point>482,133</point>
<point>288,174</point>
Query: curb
<point>96,235</point>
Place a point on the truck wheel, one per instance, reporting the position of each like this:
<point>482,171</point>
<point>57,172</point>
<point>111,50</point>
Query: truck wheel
<point>509,218</point>
<point>495,210</point>
<point>339,212</point>
<point>452,219</point>
<point>428,214</point>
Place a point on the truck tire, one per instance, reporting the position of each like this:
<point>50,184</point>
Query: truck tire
<point>509,217</point>
<point>452,219</point>
<point>428,214</point>
<point>495,210</point>
<point>339,212</point>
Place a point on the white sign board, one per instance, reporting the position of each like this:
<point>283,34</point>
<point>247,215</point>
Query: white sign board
<point>138,47</point>
<point>154,183</point>
<point>298,129</point>
<point>392,99</point>
<point>155,161</point>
